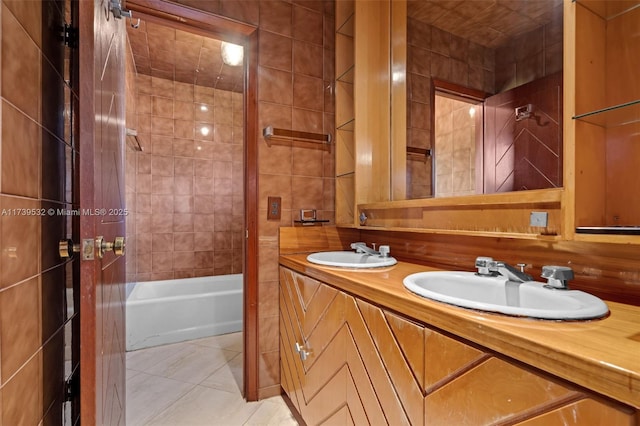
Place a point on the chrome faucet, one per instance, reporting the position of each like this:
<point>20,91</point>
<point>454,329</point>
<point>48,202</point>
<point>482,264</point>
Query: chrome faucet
<point>492,268</point>
<point>557,276</point>
<point>383,251</point>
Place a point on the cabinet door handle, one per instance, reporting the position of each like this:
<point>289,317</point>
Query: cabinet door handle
<point>301,351</point>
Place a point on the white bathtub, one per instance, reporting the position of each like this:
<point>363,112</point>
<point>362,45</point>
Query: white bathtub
<point>161,312</point>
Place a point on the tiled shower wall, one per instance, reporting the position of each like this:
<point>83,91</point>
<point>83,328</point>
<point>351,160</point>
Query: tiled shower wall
<point>188,180</point>
<point>36,179</point>
<point>455,143</point>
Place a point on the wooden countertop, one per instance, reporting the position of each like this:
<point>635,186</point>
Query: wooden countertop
<point>601,355</point>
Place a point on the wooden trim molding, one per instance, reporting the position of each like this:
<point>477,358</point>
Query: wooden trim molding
<point>458,90</point>
<point>86,121</point>
<point>184,17</point>
<point>251,350</point>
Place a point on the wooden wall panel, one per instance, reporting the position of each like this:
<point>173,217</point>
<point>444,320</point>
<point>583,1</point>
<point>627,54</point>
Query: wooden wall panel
<point>623,178</point>
<point>345,152</point>
<point>345,202</point>
<point>306,239</point>
<point>372,96</point>
<point>499,213</point>
<point>622,56</point>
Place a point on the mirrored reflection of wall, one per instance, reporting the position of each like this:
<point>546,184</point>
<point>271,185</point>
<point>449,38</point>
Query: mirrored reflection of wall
<point>455,146</point>
<point>433,53</point>
<point>506,62</point>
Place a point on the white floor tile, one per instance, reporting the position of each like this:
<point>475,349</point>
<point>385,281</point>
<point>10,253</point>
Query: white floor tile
<point>231,342</point>
<point>196,383</point>
<point>148,395</point>
<point>272,412</point>
<point>206,406</point>
<point>192,363</point>
<point>143,359</point>
<point>228,377</point>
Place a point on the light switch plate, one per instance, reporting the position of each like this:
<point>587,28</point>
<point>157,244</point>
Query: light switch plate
<point>539,219</point>
<point>274,208</point>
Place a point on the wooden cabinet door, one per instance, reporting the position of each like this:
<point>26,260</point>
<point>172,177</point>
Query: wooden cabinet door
<point>386,354</point>
<point>585,412</point>
<point>468,386</point>
<point>312,336</point>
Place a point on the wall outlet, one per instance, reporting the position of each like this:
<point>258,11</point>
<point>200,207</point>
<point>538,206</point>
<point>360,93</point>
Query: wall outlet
<point>539,219</point>
<point>273,208</point>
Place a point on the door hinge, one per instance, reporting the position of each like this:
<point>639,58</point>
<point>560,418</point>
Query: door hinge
<point>71,388</point>
<point>70,36</point>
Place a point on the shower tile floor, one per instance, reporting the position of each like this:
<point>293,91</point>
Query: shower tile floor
<point>195,383</point>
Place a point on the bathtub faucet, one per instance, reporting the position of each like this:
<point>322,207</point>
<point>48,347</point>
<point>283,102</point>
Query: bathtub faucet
<point>383,251</point>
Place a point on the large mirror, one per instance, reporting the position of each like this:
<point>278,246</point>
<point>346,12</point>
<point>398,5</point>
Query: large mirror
<point>484,96</point>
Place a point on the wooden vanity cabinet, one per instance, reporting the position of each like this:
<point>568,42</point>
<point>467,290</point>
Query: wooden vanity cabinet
<point>362,364</point>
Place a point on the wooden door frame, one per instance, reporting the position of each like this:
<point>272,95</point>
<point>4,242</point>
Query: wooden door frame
<point>185,18</point>
<point>86,190</point>
<point>206,24</point>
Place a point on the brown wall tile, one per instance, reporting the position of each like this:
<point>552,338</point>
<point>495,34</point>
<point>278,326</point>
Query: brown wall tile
<point>16,43</point>
<point>21,146</point>
<point>176,183</point>
<point>22,395</point>
<point>20,238</point>
<point>20,324</point>
<point>276,16</point>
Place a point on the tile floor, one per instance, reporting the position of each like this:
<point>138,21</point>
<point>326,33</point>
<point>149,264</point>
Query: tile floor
<point>195,383</point>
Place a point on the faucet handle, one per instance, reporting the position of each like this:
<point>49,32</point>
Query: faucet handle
<point>484,265</point>
<point>384,251</point>
<point>557,276</point>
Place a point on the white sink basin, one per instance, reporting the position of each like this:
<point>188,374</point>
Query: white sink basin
<point>496,294</point>
<point>350,259</point>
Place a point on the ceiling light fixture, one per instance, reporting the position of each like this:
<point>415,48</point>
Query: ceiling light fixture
<point>232,54</point>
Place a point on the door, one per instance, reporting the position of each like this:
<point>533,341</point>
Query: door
<point>524,152</point>
<point>102,281</point>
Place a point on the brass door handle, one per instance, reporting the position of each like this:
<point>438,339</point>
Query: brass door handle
<point>117,246</point>
<point>66,248</point>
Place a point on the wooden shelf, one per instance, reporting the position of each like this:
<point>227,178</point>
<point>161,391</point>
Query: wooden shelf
<point>607,9</point>
<point>348,125</point>
<point>617,115</point>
